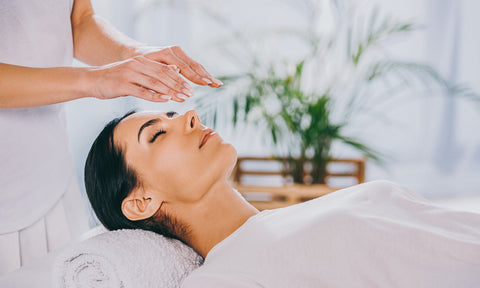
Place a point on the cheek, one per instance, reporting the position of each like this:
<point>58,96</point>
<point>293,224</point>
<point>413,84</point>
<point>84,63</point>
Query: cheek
<point>170,164</point>
<point>175,169</point>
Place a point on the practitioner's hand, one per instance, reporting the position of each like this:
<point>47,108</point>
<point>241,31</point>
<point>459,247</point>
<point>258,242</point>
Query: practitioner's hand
<point>189,68</point>
<point>140,77</point>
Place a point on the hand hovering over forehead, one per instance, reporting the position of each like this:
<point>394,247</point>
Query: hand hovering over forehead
<point>188,67</point>
<point>155,75</point>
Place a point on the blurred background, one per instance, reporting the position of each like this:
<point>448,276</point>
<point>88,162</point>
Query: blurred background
<point>398,81</point>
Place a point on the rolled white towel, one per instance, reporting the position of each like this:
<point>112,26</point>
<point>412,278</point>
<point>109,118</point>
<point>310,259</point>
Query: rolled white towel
<point>127,259</point>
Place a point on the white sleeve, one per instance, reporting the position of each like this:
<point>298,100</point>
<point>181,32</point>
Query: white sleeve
<point>217,280</point>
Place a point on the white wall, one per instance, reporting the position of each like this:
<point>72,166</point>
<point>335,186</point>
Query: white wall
<point>437,147</point>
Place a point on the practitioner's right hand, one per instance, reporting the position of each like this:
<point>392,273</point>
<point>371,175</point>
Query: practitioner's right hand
<point>139,77</point>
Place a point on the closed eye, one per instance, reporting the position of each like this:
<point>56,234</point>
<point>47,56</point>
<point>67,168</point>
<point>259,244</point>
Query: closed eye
<point>169,114</point>
<point>156,135</point>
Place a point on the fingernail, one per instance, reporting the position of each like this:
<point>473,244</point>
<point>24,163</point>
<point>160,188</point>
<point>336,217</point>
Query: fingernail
<point>182,96</point>
<point>166,97</point>
<point>187,92</point>
<point>207,80</point>
<point>218,82</point>
<point>187,86</point>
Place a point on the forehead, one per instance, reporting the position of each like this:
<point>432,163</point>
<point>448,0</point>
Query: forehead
<point>142,115</point>
<point>129,126</point>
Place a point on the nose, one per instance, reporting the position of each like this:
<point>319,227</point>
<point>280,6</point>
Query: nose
<point>192,121</point>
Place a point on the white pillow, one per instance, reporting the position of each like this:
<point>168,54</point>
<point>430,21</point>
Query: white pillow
<point>125,258</point>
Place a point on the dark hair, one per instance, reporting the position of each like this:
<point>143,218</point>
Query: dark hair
<point>109,180</point>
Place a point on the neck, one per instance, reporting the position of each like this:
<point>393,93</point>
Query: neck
<point>215,217</point>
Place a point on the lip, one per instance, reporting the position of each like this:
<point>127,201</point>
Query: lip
<point>205,136</point>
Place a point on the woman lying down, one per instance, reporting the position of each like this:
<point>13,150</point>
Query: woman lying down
<point>168,173</point>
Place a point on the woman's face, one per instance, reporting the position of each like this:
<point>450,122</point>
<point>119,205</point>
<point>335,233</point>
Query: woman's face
<point>174,155</point>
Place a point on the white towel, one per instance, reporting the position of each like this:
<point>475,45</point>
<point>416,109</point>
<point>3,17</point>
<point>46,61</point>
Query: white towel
<point>126,259</point>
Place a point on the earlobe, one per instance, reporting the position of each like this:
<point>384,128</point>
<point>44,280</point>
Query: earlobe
<point>138,206</point>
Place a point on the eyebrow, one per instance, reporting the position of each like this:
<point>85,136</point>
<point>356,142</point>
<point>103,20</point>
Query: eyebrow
<point>147,124</point>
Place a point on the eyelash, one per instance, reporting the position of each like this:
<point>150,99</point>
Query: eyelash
<point>170,114</point>
<point>157,134</point>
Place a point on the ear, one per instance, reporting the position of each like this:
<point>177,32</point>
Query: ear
<point>139,205</point>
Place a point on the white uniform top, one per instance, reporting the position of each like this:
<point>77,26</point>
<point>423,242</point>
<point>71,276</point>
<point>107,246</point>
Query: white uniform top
<point>35,162</point>
<point>377,234</point>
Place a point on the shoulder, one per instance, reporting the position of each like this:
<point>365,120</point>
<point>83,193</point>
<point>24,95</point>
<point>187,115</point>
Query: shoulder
<point>391,189</point>
<point>378,188</point>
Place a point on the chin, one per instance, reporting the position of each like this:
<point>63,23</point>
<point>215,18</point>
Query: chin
<point>228,158</point>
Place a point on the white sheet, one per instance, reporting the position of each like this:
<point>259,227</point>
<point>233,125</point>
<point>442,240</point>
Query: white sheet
<point>378,234</point>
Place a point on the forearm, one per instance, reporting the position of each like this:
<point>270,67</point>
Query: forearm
<point>22,87</point>
<point>96,42</point>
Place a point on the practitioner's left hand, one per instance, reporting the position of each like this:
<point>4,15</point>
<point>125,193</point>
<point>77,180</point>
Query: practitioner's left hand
<point>188,67</point>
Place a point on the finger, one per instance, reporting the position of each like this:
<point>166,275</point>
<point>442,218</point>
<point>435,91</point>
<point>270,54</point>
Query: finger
<point>186,71</point>
<point>173,72</point>
<point>166,74</point>
<point>196,67</point>
<point>156,85</point>
<point>175,68</point>
<point>163,75</point>
<point>146,94</point>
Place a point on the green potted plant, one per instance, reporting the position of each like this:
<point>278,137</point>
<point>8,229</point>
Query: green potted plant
<point>301,122</point>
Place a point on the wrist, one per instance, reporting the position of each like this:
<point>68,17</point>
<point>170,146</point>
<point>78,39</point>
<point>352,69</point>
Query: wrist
<point>86,82</point>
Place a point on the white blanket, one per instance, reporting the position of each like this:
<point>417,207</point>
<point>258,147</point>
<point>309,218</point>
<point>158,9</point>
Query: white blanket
<point>378,234</point>
<point>127,259</point>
